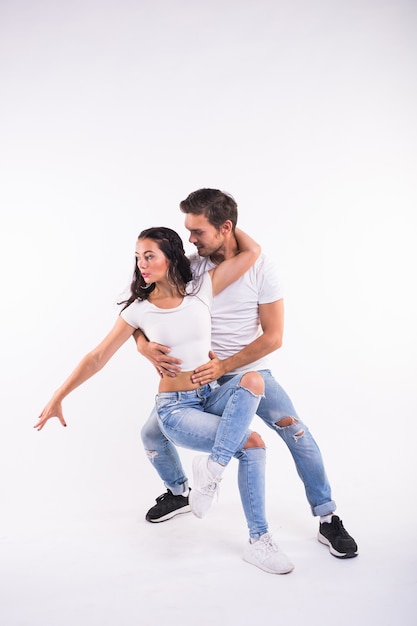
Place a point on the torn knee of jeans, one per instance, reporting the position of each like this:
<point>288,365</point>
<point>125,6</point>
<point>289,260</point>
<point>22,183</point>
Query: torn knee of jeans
<point>254,441</point>
<point>284,422</point>
<point>151,454</point>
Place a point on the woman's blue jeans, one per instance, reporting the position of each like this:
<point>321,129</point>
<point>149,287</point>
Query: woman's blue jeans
<point>273,406</point>
<point>216,421</point>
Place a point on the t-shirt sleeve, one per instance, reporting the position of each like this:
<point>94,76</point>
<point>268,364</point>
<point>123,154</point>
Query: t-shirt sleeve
<point>270,288</point>
<point>130,315</point>
<point>200,265</point>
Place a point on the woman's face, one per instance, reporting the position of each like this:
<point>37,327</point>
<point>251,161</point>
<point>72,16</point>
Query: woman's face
<point>151,261</point>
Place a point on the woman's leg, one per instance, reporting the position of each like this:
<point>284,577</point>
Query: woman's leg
<point>182,419</point>
<point>261,550</point>
<point>185,424</point>
<point>251,481</point>
<point>188,426</point>
<point>236,402</point>
<point>164,456</point>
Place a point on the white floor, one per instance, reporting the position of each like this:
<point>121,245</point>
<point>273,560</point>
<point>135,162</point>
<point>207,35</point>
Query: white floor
<point>71,558</point>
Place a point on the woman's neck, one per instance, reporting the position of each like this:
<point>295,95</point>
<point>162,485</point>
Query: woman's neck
<point>165,295</point>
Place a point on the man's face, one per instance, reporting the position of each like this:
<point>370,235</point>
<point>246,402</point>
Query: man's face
<point>206,238</point>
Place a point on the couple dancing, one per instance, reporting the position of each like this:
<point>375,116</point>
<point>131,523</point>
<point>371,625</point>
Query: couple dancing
<point>171,312</point>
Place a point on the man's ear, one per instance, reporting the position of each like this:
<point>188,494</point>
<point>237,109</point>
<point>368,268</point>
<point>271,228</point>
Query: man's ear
<point>226,227</point>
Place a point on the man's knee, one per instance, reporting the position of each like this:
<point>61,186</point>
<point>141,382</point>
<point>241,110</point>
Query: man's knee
<point>255,441</point>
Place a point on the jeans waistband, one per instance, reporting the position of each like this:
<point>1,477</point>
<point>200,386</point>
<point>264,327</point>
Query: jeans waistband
<point>199,392</point>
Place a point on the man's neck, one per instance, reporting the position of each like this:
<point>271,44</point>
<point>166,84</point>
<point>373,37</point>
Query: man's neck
<point>227,251</point>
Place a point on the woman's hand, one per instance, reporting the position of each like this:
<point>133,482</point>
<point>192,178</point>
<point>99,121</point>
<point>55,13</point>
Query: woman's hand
<point>52,409</point>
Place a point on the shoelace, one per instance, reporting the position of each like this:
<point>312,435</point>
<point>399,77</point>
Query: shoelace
<point>266,545</point>
<point>163,496</point>
<point>338,525</point>
<point>211,487</point>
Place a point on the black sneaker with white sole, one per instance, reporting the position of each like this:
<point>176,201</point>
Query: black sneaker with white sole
<point>335,536</point>
<point>167,506</point>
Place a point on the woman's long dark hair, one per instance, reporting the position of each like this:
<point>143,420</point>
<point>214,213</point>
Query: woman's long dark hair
<point>179,270</point>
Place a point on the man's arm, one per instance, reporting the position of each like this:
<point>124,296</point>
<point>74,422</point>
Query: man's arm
<point>157,354</point>
<point>271,317</point>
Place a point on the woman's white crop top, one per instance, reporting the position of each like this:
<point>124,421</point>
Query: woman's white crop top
<point>186,329</point>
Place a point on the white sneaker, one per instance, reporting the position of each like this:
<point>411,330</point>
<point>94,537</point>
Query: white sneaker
<point>265,554</point>
<point>205,486</point>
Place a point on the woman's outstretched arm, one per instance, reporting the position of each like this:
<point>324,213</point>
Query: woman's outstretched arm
<point>89,365</point>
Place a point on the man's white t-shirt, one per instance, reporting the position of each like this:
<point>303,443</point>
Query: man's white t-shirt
<point>235,310</point>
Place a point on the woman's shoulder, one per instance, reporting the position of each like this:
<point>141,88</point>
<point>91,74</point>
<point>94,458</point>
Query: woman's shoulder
<point>131,313</point>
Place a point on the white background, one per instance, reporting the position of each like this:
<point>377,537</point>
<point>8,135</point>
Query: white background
<point>111,113</point>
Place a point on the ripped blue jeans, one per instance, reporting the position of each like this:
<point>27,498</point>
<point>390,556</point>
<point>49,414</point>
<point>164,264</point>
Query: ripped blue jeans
<point>274,406</point>
<point>215,420</point>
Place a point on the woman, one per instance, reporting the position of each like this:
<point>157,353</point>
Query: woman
<point>169,307</point>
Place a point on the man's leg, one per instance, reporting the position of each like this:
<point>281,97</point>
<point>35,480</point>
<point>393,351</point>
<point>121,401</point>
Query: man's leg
<point>165,459</point>
<point>277,411</point>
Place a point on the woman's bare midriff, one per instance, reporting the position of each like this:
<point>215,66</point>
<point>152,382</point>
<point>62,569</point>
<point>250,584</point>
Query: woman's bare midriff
<point>181,382</point>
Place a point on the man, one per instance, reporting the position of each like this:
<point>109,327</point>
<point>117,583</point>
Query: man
<point>247,325</point>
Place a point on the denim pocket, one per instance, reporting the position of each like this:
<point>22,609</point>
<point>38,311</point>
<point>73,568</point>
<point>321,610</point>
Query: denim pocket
<point>164,404</point>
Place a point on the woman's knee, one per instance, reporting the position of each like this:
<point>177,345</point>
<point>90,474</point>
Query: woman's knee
<point>254,382</point>
<point>152,437</point>
<point>254,441</point>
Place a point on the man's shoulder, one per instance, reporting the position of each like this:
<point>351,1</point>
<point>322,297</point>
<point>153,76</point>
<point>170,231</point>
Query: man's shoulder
<point>264,264</point>
<point>265,279</point>
<point>200,264</point>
